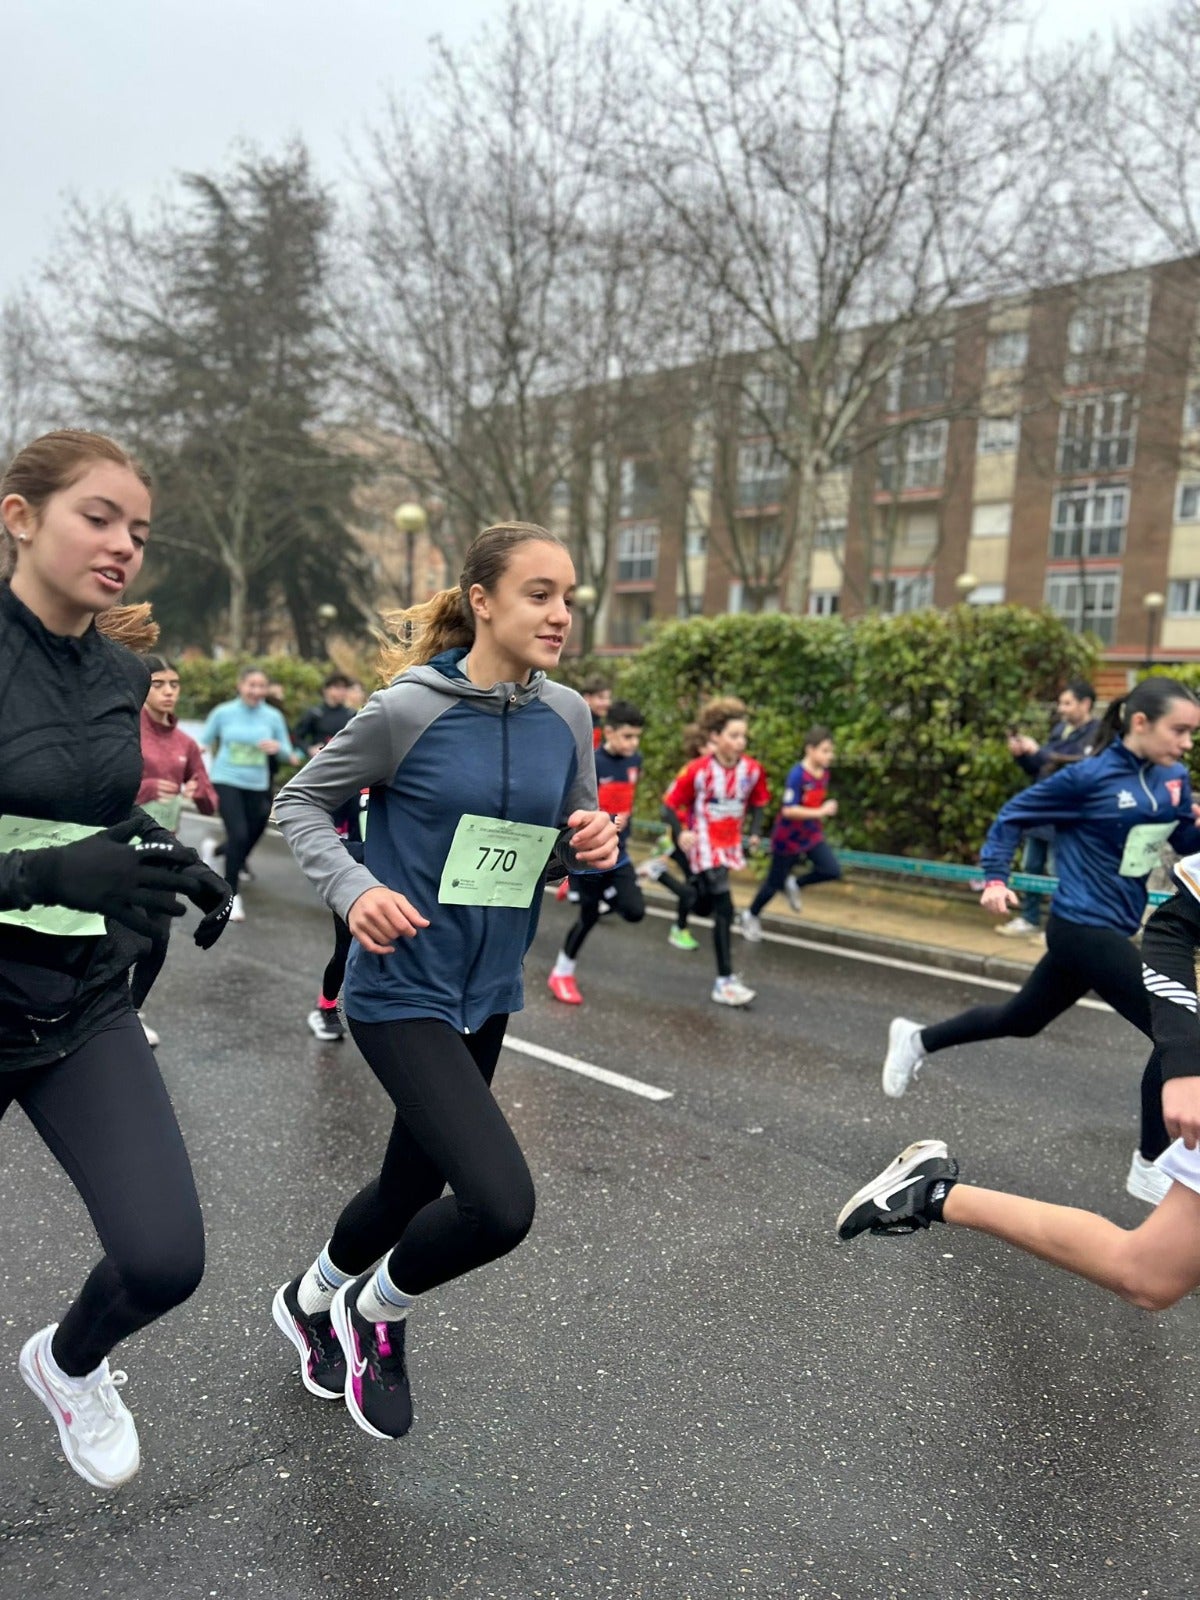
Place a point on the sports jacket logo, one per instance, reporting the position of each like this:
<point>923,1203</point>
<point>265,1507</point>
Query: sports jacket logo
<point>1125,799</point>
<point>1174,787</point>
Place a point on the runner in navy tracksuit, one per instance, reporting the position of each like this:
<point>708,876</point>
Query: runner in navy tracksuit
<point>479,768</point>
<point>1112,814</point>
<point>618,769</point>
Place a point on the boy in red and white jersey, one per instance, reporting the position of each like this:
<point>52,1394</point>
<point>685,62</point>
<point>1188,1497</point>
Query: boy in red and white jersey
<point>706,809</point>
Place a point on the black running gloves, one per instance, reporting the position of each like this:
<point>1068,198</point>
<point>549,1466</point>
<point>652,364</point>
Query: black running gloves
<point>210,894</point>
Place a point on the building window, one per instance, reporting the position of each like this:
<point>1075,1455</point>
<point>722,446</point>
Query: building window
<point>1107,330</point>
<point>637,553</point>
<point>628,619</point>
<point>1089,521</point>
<point>639,488</point>
<point>986,594</point>
<point>1183,597</point>
<point>913,458</point>
<point>1090,606</point>
<point>1007,350</point>
<point>997,436</point>
<point>764,403</point>
<point>992,520</point>
<point>696,543</point>
<point>762,475</point>
<point>921,379</point>
<point>1191,411</point>
<point>824,602</point>
<point>897,595</point>
<point>1188,508</point>
<point>1096,434</point>
<point>689,605</point>
<point>831,536</point>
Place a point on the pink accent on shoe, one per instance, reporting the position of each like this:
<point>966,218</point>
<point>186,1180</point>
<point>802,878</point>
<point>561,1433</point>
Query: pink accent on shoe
<point>37,1357</point>
<point>383,1339</point>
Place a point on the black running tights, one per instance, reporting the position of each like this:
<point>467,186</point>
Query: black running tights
<point>245,813</point>
<point>619,887</point>
<point>1077,959</point>
<point>448,1131</point>
<point>335,969</point>
<point>104,1114</point>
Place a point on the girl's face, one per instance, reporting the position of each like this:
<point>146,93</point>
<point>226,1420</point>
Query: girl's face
<point>253,688</point>
<point>526,618</point>
<point>79,555</point>
<point>820,756</point>
<point>163,694</point>
<point>729,744</point>
<point>1167,740</point>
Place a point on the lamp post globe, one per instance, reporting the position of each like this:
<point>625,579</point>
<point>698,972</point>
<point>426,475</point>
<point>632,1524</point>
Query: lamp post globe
<point>1153,604</point>
<point>965,585</point>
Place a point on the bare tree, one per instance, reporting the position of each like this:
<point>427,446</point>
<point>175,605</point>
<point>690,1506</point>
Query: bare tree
<point>835,175</point>
<point>25,381</point>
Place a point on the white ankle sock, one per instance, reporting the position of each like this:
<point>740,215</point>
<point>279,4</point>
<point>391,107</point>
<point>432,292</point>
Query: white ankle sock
<point>564,967</point>
<point>379,1300</point>
<point>319,1285</point>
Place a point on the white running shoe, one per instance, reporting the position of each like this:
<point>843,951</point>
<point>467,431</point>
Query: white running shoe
<point>732,991</point>
<point>238,911</point>
<point>794,898</point>
<point>208,852</point>
<point>751,927</point>
<point>905,1056</point>
<point>98,1435</point>
<point>1017,928</point>
<point>152,1038</point>
<point>1146,1181</point>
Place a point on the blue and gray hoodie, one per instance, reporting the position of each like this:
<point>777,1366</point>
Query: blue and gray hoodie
<point>1094,807</point>
<point>432,747</point>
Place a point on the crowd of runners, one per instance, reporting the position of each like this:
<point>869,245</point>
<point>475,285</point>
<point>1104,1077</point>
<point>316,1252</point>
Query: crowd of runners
<point>430,817</point>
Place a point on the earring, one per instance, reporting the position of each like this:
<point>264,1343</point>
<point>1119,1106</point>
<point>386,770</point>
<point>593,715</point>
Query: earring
<point>23,537</point>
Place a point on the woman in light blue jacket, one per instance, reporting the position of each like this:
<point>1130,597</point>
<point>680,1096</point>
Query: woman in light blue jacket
<point>244,733</point>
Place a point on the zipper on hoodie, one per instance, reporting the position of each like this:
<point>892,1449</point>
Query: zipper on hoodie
<point>504,798</point>
<point>1142,771</point>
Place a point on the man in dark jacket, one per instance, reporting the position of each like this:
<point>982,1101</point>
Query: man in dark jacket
<point>1071,739</point>
<point>319,723</point>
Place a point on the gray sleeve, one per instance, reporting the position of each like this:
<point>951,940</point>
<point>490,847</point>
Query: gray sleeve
<point>365,752</point>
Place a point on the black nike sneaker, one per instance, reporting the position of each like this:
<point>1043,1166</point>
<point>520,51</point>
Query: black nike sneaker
<point>906,1195</point>
<point>322,1364</point>
<point>377,1392</point>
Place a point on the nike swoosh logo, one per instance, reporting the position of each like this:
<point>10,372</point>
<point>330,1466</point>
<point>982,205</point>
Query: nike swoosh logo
<point>884,1201</point>
<point>358,1364</point>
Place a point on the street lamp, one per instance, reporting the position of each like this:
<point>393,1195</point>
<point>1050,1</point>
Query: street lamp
<point>965,586</point>
<point>1153,602</point>
<point>410,519</point>
<point>327,613</point>
<point>585,598</point>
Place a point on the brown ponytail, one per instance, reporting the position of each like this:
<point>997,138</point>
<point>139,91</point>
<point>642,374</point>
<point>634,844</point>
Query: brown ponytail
<point>446,622</point>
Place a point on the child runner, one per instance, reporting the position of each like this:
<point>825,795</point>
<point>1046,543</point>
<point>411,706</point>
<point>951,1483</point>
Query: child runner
<point>75,513</point>
<point>798,832</point>
<point>1153,1265</point>
<point>479,768</point>
<point>707,805</point>
<point>597,696</point>
<point>1111,814</point>
<point>245,733</point>
<point>679,935</point>
<point>618,768</point>
<point>172,771</point>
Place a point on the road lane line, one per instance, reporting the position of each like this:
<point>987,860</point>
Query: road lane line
<point>876,960</point>
<point>586,1069</point>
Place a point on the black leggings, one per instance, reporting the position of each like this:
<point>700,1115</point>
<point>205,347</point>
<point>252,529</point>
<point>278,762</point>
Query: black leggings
<point>713,898</point>
<point>619,887</point>
<point>823,867</point>
<point>448,1130</point>
<point>104,1114</point>
<point>245,813</point>
<point>682,887</point>
<point>335,968</point>
<point>1077,959</point>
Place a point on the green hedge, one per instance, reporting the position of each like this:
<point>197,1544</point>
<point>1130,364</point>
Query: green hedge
<point>205,683</point>
<point>919,706</point>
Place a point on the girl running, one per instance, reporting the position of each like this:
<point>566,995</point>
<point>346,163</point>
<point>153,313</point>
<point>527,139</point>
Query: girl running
<point>79,902</point>
<point>479,769</point>
<point>1153,1265</point>
<point>1112,814</point>
<point>706,807</point>
<point>798,832</point>
<point>245,733</point>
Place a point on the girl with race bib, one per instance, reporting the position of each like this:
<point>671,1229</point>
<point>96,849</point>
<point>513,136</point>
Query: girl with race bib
<point>1111,813</point>
<point>80,904</point>
<point>245,733</point>
<point>480,772</point>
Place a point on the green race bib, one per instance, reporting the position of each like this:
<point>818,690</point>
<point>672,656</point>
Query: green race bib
<point>1144,841</point>
<point>240,754</point>
<point>494,863</point>
<point>32,833</point>
<point>166,812</point>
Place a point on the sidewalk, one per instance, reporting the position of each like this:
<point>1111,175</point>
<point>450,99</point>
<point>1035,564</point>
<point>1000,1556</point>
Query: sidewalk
<point>946,931</point>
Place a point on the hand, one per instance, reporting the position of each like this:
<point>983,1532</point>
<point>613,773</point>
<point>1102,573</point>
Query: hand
<point>1181,1109</point>
<point>999,899</point>
<point>204,888</point>
<point>270,747</point>
<point>165,789</point>
<point>105,873</point>
<point>1029,747</point>
<point>687,838</point>
<point>380,915</point>
<point>189,789</point>
<point>829,808</point>
<point>594,840</point>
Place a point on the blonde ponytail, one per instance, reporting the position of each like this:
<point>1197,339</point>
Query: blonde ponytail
<point>417,634</point>
<point>131,626</point>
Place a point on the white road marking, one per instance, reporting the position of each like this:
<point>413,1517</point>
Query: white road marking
<point>876,960</point>
<point>586,1069</point>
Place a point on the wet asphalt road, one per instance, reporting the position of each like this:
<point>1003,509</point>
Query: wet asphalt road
<point>681,1386</point>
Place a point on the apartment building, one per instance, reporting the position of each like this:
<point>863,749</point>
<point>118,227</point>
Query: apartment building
<point>1043,450</point>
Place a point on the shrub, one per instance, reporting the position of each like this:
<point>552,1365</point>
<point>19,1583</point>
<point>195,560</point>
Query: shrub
<point>205,683</point>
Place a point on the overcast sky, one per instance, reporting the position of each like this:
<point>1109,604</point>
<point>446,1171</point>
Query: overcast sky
<point>112,97</point>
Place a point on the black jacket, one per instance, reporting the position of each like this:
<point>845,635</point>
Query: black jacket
<point>1169,945</point>
<point>70,751</point>
<point>319,723</point>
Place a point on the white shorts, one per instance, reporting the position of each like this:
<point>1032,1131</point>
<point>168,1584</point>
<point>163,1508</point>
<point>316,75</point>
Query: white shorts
<point>1182,1164</point>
